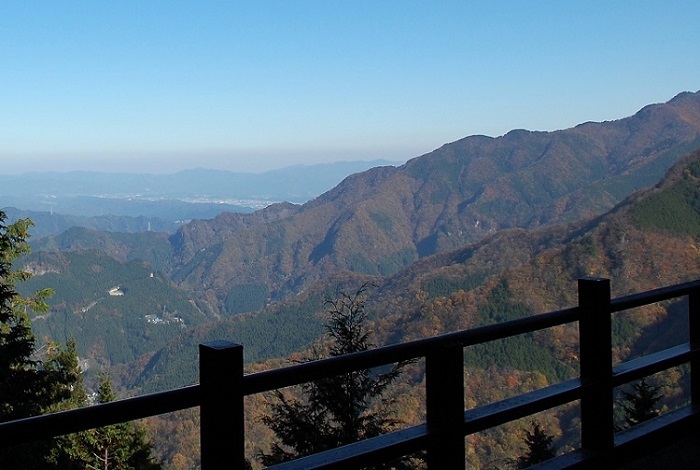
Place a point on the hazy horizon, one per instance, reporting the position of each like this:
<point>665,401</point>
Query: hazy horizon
<point>254,86</point>
<point>163,164</point>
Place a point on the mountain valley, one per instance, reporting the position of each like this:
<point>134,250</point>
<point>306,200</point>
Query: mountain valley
<point>478,231</point>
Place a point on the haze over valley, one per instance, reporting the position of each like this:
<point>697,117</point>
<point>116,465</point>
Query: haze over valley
<point>133,202</point>
<point>222,171</point>
<point>505,223</point>
<point>374,223</point>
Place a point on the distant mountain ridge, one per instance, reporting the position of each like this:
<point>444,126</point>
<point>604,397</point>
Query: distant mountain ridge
<point>188,194</point>
<point>476,232</point>
<point>384,219</point>
<point>48,223</point>
<point>282,259</point>
<point>641,244</point>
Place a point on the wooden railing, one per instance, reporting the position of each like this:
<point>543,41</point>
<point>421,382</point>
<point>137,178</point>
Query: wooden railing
<point>223,387</point>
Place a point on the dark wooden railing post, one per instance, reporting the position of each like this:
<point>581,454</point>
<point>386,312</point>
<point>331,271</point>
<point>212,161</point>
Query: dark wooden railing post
<point>444,378</point>
<point>595,337</point>
<point>221,410</point>
<point>694,338</point>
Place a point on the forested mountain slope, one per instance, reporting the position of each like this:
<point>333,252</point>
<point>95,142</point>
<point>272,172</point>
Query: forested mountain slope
<point>382,220</point>
<point>116,311</point>
<point>150,247</point>
<point>442,249</point>
<point>48,223</point>
<point>649,240</point>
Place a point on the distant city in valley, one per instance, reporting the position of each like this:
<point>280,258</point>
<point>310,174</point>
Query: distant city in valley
<point>168,200</point>
<point>479,231</point>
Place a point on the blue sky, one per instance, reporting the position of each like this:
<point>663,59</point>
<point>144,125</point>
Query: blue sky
<point>248,86</point>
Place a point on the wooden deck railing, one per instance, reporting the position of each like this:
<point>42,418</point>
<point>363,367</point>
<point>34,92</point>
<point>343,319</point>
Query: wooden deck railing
<point>223,387</point>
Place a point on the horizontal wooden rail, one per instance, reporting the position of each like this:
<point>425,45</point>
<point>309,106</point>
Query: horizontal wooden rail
<point>653,363</point>
<point>364,453</point>
<point>314,370</point>
<point>80,419</point>
<point>520,406</point>
<point>224,392</point>
<point>653,296</point>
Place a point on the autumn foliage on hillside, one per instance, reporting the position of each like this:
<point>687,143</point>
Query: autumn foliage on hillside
<point>517,273</point>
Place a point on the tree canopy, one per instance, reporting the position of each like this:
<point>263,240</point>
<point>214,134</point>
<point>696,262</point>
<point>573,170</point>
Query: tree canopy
<point>539,447</point>
<point>118,447</point>
<point>640,403</point>
<point>337,410</point>
<point>33,382</point>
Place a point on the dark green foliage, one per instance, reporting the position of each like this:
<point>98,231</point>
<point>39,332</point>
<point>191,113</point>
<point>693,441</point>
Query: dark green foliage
<point>444,287</point>
<point>246,298</point>
<point>359,263</point>
<point>395,261</point>
<point>19,374</point>
<point>31,386</point>
<point>28,385</point>
<point>337,410</point>
<point>64,391</point>
<point>517,352</point>
<point>640,403</point>
<point>623,330</point>
<point>539,447</point>
<point>108,329</point>
<point>276,332</point>
<point>694,168</point>
<point>676,209</point>
<point>63,362</point>
<point>578,254</point>
<point>383,221</point>
<point>119,447</point>
<point>152,248</point>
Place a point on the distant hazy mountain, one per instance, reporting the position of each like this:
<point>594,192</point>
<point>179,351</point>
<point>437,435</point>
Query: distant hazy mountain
<point>381,220</point>
<point>181,196</point>
<point>386,218</point>
<point>375,225</point>
<point>48,223</point>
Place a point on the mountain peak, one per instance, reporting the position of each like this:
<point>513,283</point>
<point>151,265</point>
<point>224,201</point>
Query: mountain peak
<point>383,219</point>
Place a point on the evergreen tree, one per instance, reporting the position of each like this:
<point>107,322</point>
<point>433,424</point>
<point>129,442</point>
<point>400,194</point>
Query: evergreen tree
<point>26,388</point>
<point>336,410</point>
<point>118,447</point>
<point>28,385</point>
<point>60,456</point>
<point>34,382</point>
<point>639,405</point>
<point>539,447</point>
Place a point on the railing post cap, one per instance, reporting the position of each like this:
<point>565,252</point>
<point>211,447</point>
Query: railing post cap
<point>593,279</point>
<point>219,344</point>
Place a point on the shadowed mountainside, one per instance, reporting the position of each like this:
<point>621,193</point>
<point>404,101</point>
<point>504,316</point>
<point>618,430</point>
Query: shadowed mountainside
<point>533,270</point>
<point>382,220</point>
